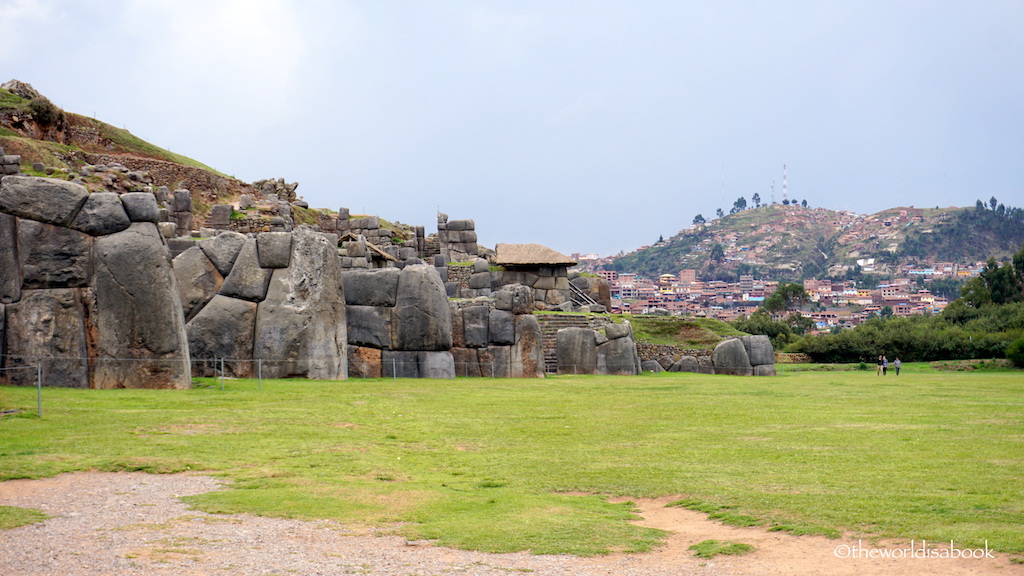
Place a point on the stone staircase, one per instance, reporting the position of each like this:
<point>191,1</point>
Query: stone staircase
<point>550,324</point>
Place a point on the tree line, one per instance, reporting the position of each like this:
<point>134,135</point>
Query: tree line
<point>987,321</point>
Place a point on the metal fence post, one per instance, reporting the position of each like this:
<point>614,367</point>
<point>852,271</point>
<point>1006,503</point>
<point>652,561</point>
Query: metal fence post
<point>259,371</point>
<point>221,374</point>
<point>39,389</point>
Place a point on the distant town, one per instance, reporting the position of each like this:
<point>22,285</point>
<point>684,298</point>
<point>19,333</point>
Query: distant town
<point>832,304</point>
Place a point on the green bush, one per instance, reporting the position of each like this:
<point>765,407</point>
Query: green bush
<point>1015,352</point>
<point>45,112</point>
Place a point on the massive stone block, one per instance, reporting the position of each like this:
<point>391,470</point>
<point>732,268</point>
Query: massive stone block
<point>10,264</point>
<point>730,357</point>
<point>618,357</point>
<point>198,281</point>
<point>223,329</point>
<point>467,364</point>
<point>423,319</point>
<point>274,249</point>
<point>759,349</point>
<point>400,364</point>
<point>223,250</point>
<point>364,362</point>
<point>685,364</point>
<point>247,280</point>
<point>371,287</point>
<point>47,327</point>
<point>501,328</point>
<point>614,331</point>
<point>495,361</point>
<point>141,206</point>
<point>369,326</point>
<point>138,314</point>
<point>300,326</point>
<point>527,355</point>
<point>437,365</point>
<point>101,214</point>
<point>43,199</point>
<point>476,326</point>
<point>53,256</point>
<point>576,351</point>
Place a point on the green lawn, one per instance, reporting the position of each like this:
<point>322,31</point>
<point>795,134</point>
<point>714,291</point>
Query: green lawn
<point>499,465</point>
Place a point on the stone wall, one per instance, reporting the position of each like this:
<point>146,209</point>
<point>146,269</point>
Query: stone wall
<point>610,350</point>
<point>497,336</point>
<point>9,164</point>
<point>87,290</point>
<point>399,323</point>
<point>175,175</point>
<point>457,239</point>
<point>273,300</point>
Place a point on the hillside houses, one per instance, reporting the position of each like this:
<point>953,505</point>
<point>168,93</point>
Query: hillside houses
<point>831,304</point>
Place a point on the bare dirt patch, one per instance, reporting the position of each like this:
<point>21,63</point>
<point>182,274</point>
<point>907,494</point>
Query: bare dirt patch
<point>135,523</point>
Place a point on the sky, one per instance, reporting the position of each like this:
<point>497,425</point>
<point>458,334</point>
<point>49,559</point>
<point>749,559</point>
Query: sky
<point>587,126</point>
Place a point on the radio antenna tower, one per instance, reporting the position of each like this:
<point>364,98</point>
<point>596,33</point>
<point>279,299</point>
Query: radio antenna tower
<point>785,191</point>
<point>773,191</point>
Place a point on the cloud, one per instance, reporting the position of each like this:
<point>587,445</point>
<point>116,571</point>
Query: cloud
<point>18,19</point>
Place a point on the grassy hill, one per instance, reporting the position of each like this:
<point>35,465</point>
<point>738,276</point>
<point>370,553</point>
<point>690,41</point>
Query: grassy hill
<point>794,242</point>
<point>40,132</point>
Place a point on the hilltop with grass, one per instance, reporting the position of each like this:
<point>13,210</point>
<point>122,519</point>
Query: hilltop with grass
<point>43,134</point>
<point>794,242</point>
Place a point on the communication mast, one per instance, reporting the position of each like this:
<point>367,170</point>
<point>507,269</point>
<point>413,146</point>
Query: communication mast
<point>785,191</point>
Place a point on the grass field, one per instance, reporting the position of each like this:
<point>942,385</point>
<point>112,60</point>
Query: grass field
<point>501,465</point>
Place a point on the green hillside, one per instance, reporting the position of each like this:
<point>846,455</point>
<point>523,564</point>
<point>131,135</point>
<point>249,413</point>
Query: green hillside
<point>795,242</point>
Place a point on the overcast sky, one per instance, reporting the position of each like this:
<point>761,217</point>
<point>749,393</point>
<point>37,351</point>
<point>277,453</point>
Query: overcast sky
<point>590,126</point>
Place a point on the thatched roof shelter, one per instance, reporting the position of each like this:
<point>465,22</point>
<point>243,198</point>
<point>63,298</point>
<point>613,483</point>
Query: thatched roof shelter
<point>516,255</point>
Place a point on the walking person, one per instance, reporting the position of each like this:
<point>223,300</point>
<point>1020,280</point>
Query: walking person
<point>896,364</point>
<point>885,365</point>
<point>879,365</point>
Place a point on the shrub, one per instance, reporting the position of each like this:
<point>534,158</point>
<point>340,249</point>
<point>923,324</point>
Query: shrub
<point>45,112</point>
<point>1015,352</point>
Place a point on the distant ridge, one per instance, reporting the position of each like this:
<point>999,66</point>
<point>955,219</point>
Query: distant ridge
<point>793,242</point>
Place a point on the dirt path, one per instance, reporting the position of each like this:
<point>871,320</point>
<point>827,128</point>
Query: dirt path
<point>104,523</point>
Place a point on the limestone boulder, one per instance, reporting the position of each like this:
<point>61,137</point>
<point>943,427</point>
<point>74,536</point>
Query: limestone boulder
<point>651,366</point>
<point>467,364</point>
<point>495,361</point>
<point>619,357</point>
<point>501,328</point>
<point>53,256</point>
<point>476,326</point>
<point>371,287</point>
<point>764,370</point>
<point>422,316</point>
<point>730,357</point>
<point>43,199</point>
<point>685,364</point>
<point>47,327</point>
<point>223,250</point>
<point>224,328</point>
<point>364,362</point>
<point>10,264</point>
<point>576,350</point>
<point>197,279</point>
<point>301,324</point>
<point>247,279</point>
<point>759,349</point>
<point>138,313</point>
<point>101,214</point>
<point>369,326</point>
<point>141,206</point>
<point>437,364</point>
<point>705,366</point>
<point>400,364</point>
<point>527,355</point>
<point>274,249</point>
